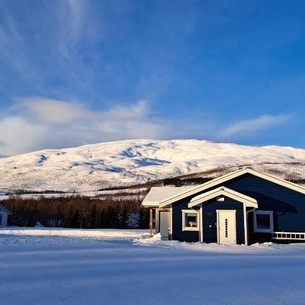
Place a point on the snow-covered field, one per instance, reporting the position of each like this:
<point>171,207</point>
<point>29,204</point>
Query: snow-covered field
<point>126,267</point>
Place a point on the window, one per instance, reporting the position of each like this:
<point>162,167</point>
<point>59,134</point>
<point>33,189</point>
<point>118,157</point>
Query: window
<point>263,221</point>
<point>190,220</point>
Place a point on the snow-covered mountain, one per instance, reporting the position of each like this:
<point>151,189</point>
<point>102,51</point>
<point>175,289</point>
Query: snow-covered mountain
<point>124,163</point>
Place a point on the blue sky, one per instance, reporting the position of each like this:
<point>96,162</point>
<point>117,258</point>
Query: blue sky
<point>75,72</point>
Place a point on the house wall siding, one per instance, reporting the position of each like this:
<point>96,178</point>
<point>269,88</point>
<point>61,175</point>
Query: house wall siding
<point>3,218</point>
<point>178,233</point>
<point>288,205</point>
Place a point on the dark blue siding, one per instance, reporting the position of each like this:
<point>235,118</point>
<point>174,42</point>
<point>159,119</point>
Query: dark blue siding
<point>288,205</point>
<point>210,219</point>
<point>178,234</point>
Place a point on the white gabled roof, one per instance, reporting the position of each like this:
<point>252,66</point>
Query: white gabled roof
<point>220,180</point>
<point>157,194</point>
<point>5,210</point>
<point>223,191</point>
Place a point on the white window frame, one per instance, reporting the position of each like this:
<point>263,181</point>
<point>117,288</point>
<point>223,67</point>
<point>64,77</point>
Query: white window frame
<point>188,228</point>
<point>259,230</point>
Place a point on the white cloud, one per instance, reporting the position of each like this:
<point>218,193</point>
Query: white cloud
<point>18,135</point>
<point>38,123</point>
<point>248,127</point>
<point>258,130</point>
<point>52,111</point>
<point>61,112</point>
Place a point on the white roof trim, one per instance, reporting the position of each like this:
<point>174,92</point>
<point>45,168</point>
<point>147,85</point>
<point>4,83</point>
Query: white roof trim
<point>223,191</point>
<point>222,179</point>
<point>5,210</point>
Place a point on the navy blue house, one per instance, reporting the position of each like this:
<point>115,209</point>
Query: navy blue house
<point>242,207</point>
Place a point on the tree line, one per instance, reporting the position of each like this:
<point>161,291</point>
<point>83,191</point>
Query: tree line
<point>77,212</point>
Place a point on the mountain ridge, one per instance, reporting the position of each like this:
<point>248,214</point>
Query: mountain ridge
<point>124,163</point>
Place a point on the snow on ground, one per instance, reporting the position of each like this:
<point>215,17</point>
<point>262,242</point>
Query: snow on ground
<point>112,268</point>
<point>92,233</point>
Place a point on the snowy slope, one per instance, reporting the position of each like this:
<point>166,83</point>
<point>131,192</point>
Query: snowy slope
<point>123,163</point>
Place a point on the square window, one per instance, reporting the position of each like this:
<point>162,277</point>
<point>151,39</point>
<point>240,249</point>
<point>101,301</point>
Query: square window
<point>190,220</point>
<point>263,221</point>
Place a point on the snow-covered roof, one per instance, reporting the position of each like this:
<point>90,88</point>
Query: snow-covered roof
<point>158,194</point>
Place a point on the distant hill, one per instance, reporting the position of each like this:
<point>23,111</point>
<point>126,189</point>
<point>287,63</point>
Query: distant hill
<point>131,162</point>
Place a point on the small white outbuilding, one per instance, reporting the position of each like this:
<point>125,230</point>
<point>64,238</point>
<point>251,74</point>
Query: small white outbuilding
<point>4,212</point>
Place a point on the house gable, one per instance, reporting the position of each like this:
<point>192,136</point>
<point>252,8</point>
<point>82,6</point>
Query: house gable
<point>223,180</point>
<point>223,198</point>
<point>223,191</point>
<point>210,209</point>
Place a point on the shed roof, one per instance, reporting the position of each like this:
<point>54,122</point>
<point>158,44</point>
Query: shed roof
<point>158,194</point>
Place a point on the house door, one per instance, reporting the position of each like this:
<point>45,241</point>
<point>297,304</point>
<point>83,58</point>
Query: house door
<point>226,226</point>
<point>164,224</point>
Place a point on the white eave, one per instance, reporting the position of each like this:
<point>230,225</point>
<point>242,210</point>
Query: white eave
<point>223,191</point>
<point>220,180</point>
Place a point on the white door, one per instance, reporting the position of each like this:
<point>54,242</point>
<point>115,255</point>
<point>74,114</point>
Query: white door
<point>164,224</point>
<point>226,226</point>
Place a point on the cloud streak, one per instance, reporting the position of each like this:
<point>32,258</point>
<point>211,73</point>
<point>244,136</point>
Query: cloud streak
<point>248,127</point>
<point>61,112</point>
<point>70,16</point>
